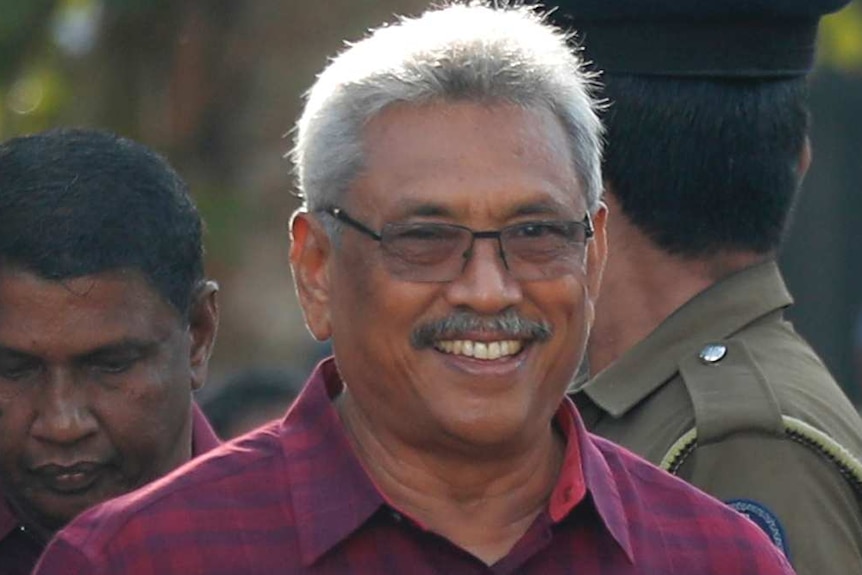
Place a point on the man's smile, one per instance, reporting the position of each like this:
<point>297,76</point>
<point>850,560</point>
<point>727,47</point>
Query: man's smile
<point>488,350</point>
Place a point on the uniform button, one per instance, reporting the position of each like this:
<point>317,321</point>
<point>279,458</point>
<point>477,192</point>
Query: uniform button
<point>712,353</point>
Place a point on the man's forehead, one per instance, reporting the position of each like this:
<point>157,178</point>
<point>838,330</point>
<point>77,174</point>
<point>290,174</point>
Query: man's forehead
<point>79,315</point>
<point>125,282</point>
<point>430,159</point>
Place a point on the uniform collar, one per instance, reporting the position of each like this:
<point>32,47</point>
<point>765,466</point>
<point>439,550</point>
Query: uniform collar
<point>332,495</point>
<point>714,314</point>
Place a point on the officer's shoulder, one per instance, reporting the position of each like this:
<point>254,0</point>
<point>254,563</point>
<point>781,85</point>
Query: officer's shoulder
<point>733,391</point>
<point>729,391</point>
<point>761,376</point>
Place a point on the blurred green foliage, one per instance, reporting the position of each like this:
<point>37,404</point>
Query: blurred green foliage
<point>42,42</point>
<point>21,29</point>
<point>30,84</point>
<point>841,40</point>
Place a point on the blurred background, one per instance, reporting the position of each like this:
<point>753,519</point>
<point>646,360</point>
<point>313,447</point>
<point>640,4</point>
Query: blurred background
<point>215,85</point>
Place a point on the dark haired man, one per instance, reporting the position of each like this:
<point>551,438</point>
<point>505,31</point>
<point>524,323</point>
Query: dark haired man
<point>106,327</point>
<point>693,365</point>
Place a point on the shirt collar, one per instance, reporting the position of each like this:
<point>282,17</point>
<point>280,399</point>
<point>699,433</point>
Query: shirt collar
<point>332,495</point>
<point>714,314</point>
<point>203,439</point>
<point>326,485</point>
<point>585,468</point>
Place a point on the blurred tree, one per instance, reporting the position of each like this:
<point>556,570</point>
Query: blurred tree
<point>821,255</point>
<point>29,85</point>
<point>22,31</point>
<point>840,43</point>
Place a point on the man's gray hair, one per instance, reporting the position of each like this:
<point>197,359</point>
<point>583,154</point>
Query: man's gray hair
<point>467,52</point>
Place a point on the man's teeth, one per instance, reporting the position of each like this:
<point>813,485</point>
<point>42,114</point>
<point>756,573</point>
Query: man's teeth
<point>480,349</point>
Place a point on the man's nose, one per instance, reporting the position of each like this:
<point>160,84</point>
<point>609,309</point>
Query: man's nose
<point>63,411</point>
<point>485,285</point>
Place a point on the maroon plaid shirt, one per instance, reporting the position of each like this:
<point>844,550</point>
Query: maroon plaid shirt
<point>292,498</point>
<point>20,549</point>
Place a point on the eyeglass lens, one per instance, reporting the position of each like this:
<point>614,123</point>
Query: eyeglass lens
<point>439,252</point>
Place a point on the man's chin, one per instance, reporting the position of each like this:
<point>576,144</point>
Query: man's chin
<point>53,512</point>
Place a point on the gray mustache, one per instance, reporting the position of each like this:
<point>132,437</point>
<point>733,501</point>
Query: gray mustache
<point>508,324</point>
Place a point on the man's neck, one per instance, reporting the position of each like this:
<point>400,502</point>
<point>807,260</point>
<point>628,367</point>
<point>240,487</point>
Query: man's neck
<point>483,505</point>
<point>643,285</point>
<point>32,529</point>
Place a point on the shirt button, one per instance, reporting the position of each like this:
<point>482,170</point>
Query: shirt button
<point>397,517</point>
<point>712,353</point>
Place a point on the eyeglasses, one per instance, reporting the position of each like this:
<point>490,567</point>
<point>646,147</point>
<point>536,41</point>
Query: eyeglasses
<point>431,252</point>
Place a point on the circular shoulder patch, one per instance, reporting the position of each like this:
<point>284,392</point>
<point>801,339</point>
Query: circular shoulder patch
<point>765,519</point>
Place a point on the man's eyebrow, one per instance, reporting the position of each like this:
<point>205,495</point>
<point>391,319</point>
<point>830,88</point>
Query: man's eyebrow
<point>414,208</point>
<point>134,346</point>
<point>539,208</point>
<point>12,353</point>
<point>543,207</point>
<point>129,348</point>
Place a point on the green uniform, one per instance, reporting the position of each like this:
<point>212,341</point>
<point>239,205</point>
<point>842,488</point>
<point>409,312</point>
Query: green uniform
<point>729,397</point>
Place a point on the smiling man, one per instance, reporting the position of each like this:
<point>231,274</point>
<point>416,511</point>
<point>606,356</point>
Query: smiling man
<point>451,246</point>
<point>106,326</point>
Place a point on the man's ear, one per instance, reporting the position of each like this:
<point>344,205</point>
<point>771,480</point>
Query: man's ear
<point>203,326</point>
<point>597,252</point>
<point>804,159</point>
<point>310,252</point>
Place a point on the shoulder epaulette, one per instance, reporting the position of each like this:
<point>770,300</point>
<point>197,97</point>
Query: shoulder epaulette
<point>730,394</point>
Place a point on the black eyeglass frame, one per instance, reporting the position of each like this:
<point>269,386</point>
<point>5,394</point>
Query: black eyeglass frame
<point>342,216</point>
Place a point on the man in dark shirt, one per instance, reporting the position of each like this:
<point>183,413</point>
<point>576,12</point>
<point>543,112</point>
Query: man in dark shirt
<point>106,327</point>
<point>451,245</point>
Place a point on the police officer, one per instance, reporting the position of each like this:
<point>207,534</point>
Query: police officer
<point>693,364</point>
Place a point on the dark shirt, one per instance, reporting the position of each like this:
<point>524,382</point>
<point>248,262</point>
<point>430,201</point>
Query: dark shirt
<point>20,548</point>
<point>293,498</point>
